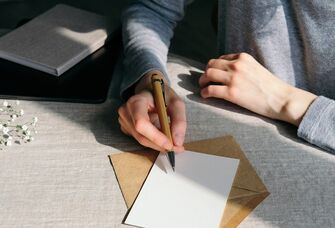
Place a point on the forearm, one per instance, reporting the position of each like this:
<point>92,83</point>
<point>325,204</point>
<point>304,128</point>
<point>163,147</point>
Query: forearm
<point>240,79</point>
<point>147,30</point>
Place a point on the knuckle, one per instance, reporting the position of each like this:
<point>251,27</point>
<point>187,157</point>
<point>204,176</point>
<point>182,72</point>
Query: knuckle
<point>121,111</point>
<point>211,90</point>
<point>236,65</point>
<point>132,100</point>
<point>211,62</point>
<point>209,72</point>
<point>178,102</point>
<point>234,78</point>
<point>123,130</point>
<point>233,93</point>
<point>141,140</point>
<point>244,56</point>
<point>139,124</point>
<point>201,79</point>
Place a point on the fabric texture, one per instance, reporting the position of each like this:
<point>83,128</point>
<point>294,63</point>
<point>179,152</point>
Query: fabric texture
<point>64,177</point>
<point>293,39</point>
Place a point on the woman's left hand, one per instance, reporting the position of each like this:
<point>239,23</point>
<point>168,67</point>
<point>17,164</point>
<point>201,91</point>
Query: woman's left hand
<point>240,79</point>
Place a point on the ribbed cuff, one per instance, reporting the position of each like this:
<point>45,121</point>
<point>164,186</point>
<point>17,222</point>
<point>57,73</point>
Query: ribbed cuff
<point>134,70</point>
<point>318,124</point>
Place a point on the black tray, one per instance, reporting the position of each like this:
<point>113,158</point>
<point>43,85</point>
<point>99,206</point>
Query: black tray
<point>86,82</point>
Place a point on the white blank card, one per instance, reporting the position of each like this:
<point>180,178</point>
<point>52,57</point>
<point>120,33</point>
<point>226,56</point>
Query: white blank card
<point>193,196</point>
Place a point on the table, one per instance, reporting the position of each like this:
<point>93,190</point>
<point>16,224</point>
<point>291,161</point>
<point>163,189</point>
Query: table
<point>64,178</point>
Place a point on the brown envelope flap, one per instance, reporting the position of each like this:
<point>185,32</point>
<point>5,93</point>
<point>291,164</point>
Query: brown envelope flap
<point>246,177</point>
<point>237,192</point>
<point>238,209</point>
<point>131,170</point>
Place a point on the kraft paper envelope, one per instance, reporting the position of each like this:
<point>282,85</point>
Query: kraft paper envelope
<point>132,168</point>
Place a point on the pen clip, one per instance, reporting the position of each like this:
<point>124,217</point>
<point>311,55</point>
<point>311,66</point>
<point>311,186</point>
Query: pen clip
<point>163,91</point>
<point>161,81</point>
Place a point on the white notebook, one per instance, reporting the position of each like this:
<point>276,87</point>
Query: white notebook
<point>56,40</point>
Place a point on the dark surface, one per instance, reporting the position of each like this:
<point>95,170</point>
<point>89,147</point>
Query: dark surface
<point>88,81</point>
<point>194,38</point>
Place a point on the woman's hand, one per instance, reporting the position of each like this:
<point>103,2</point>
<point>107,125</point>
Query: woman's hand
<point>138,118</point>
<point>240,79</point>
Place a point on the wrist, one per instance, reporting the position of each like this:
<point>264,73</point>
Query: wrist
<point>296,105</point>
<point>145,82</point>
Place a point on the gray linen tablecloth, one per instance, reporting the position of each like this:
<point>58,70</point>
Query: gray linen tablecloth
<point>64,178</point>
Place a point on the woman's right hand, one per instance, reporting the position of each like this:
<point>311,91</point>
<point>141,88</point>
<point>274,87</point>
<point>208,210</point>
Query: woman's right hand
<point>138,118</point>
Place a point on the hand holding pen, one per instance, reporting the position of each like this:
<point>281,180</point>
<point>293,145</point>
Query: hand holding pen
<point>158,89</point>
<point>138,117</point>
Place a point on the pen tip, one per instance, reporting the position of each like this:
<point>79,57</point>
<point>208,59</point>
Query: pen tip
<point>173,168</point>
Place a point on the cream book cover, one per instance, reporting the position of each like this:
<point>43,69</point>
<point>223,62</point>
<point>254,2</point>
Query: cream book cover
<point>56,40</point>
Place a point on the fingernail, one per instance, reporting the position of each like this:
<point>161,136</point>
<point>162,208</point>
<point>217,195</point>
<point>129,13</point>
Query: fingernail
<point>167,145</point>
<point>179,139</point>
<point>203,93</point>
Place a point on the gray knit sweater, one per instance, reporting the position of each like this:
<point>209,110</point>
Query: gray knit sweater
<point>294,39</point>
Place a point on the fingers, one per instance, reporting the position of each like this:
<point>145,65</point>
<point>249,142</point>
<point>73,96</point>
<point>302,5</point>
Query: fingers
<point>217,71</point>
<point>220,64</point>
<point>214,75</point>
<point>138,119</point>
<point>218,91</point>
<point>127,129</point>
<point>177,112</point>
<point>224,62</point>
<point>139,109</point>
<point>130,114</point>
<point>230,57</point>
<point>220,70</point>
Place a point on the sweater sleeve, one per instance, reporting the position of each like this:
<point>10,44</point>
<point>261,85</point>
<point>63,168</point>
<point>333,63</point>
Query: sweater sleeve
<point>147,27</point>
<point>318,124</point>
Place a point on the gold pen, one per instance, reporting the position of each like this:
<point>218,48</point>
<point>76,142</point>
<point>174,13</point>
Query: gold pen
<point>159,97</point>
